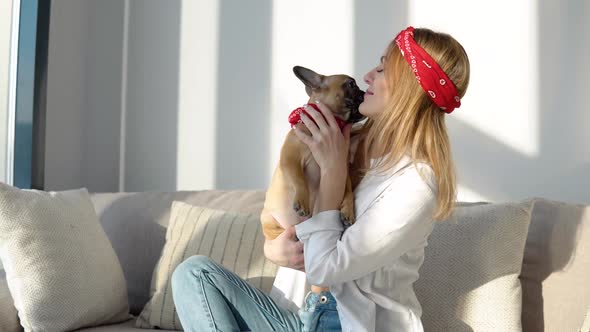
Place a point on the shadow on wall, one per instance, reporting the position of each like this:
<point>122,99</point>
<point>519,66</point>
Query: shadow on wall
<point>498,171</point>
<point>243,112</point>
<point>244,85</point>
<point>152,86</point>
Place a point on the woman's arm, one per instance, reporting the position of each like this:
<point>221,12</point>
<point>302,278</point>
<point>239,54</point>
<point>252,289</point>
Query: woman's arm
<point>400,219</point>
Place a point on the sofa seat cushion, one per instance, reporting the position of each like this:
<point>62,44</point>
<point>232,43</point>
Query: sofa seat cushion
<point>128,326</point>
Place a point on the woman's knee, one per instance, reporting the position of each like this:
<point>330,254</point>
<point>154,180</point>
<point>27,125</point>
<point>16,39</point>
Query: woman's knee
<point>188,268</point>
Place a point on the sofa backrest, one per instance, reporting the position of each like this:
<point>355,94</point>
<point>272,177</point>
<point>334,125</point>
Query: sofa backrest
<point>136,225</point>
<point>556,267</point>
<point>556,263</point>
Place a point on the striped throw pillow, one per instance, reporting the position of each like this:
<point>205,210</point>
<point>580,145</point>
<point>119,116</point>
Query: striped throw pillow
<point>232,239</point>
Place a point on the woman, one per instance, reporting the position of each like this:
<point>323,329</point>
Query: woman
<point>408,181</point>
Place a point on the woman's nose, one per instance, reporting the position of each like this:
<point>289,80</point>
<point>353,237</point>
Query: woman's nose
<point>368,76</point>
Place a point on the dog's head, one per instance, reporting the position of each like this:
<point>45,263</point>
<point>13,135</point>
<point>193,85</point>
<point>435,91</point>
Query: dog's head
<point>339,92</point>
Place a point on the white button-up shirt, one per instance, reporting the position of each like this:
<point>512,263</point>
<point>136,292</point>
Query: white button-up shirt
<point>371,267</point>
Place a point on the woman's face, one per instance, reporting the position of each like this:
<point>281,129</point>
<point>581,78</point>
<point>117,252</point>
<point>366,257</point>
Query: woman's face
<point>377,93</point>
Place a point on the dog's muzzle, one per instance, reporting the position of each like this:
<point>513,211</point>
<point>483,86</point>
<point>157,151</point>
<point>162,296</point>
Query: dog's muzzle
<point>355,98</point>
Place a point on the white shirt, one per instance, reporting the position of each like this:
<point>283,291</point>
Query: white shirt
<point>371,267</point>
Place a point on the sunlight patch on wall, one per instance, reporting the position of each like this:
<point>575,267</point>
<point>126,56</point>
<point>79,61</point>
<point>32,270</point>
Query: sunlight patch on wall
<point>501,39</point>
<point>197,99</point>
<point>308,38</point>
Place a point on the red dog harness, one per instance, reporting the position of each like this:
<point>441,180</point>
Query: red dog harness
<point>295,116</point>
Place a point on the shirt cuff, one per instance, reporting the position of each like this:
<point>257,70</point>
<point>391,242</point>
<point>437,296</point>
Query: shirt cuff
<point>323,221</point>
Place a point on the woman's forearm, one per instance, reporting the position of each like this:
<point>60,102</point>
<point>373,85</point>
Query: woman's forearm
<point>331,191</point>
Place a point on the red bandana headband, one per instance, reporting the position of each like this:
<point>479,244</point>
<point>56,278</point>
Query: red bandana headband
<point>431,77</point>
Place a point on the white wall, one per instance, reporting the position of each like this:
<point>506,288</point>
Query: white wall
<point>524,127</point>
<point>209,87</point>
<point>66,95</point>
<point>84,95</point>
<point>104,66</point>
<point>151,130</point>
<point>5,32</point>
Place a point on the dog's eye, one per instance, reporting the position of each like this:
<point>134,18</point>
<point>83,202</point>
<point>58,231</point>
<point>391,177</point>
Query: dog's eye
<point>351,84</point>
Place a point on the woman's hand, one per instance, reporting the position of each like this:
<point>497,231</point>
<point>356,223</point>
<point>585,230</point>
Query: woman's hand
<point>329,147</point>
<point>285,250</point>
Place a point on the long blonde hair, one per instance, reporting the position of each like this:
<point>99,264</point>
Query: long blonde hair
<point>412,123</point>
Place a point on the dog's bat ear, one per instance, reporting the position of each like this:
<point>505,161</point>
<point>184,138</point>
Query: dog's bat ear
<point>310,78</point>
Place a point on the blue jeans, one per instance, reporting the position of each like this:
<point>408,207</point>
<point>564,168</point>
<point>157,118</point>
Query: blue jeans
<point>209,297</point>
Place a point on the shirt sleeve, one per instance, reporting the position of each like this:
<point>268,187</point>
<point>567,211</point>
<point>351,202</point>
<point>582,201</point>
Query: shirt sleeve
<point>398,220</point>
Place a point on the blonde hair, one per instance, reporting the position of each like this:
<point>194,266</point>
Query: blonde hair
<point>411,122</point>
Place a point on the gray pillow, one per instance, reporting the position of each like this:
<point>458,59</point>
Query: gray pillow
<point>469,279</point>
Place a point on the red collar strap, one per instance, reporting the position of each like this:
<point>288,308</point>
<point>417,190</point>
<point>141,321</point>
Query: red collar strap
<point>431,77</point>
<point>295,116</point>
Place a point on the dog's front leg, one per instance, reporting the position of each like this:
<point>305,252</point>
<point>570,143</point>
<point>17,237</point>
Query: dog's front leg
<point>292,167</point>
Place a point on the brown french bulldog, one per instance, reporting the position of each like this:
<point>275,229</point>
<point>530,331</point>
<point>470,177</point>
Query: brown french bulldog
<point>292,193</point>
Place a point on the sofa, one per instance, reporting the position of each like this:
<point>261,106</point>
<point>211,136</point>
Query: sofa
<point>484,270</point>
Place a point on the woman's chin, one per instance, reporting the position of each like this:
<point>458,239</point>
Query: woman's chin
<point>364,110</point>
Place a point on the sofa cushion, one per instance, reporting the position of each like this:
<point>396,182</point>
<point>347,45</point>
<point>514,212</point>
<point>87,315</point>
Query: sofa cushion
<point>8,314</point>
<point>556,267</point>
<point>136,225</point>
<point>469,278</point>
<point>128,326</point>
<point>61,269</point>
<point>232,239</point>
<point>586,323</point>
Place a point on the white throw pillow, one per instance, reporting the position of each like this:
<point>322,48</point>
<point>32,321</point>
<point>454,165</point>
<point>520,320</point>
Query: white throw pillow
<point>232,239</point>
<point>61,269</point>
<point>469,279</point>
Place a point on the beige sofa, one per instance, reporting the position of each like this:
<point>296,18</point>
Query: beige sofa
<point>458,279</point>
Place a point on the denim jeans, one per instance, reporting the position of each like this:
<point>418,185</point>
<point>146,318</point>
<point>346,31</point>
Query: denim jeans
<point>209,297</point>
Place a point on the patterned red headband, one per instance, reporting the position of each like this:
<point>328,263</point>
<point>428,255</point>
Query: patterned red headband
<point>431,77</point>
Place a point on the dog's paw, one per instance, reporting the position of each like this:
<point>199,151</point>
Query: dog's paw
<point>301,209</point>
<point>347,215</point>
